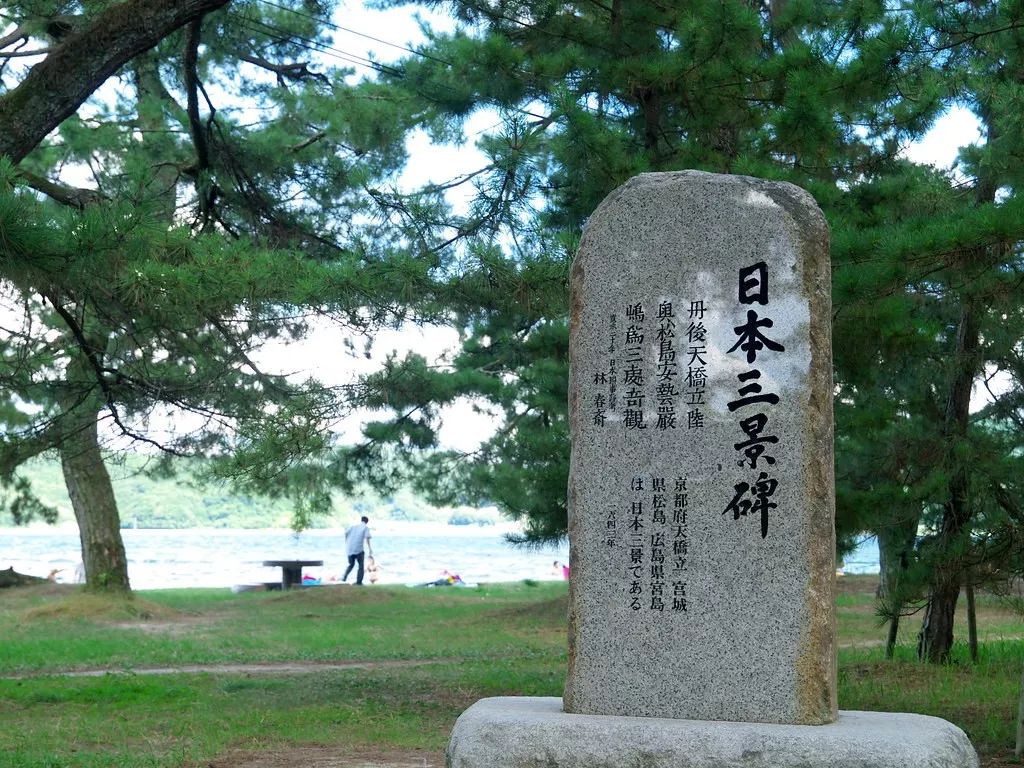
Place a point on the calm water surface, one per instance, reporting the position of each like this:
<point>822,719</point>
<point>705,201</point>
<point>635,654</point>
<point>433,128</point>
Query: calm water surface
<point>408,553</point>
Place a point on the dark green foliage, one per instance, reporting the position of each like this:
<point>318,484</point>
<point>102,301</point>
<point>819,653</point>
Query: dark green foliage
<point>22,503</point>
<point>592,95</point>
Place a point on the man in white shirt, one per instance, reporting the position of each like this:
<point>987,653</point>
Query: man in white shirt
<point>357,537</point>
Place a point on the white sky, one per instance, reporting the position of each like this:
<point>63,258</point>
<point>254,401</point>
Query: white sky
<point>323,355</point>
<point>957,128</point>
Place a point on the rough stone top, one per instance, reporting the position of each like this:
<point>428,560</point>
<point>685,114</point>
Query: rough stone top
<point>701,483</point>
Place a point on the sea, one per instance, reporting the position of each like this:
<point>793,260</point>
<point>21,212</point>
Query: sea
<point>405,552</point>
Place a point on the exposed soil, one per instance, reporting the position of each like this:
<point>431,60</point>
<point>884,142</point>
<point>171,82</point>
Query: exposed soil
<point>328,757</point>
<point>181,625</point>
<point>1004,759</point>
<point>858,584</point>
<point>266,668</point>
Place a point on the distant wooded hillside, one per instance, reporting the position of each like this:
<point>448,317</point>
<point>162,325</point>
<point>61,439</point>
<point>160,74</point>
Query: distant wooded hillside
<point>147,502</point>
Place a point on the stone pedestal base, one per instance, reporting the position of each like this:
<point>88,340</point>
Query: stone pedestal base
<point>534,732</point>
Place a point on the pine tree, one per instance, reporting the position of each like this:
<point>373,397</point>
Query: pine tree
<point>594,93</point>
<point>981,45</point>
<point>204,233</point>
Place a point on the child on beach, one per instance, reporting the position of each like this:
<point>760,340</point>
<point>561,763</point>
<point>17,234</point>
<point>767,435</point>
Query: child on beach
<point>372,570</point>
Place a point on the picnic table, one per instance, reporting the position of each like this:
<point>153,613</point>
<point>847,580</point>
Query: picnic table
<point>291,570</point>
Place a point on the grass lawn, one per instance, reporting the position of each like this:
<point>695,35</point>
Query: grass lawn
<point>379,673</point>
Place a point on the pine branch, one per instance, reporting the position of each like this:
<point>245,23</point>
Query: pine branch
<point>57,86</point>
<point>74,197</point>
<point>298,70</point>
<point>26,54</point>
<point>93,358</point>
<point>962,38</point>
<point>308,142</point>
<point>265,379</point>
<point>191,77</point>
<point>21,33</point>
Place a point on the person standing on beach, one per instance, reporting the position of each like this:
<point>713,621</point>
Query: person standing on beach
<point>357,538</point>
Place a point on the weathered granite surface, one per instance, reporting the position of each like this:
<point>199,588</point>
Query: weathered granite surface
<point>685,600</point>
<point>534,732</point>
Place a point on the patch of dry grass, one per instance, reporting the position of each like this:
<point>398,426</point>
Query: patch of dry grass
<point>80,605</point>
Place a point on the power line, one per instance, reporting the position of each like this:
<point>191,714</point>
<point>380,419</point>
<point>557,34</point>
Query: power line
<point>262,27</point>
<point>338,27</point>
<point>522,77</point>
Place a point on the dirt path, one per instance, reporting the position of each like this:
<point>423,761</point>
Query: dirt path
<point>302,667</point>
<point>308,667</point>
<point>265,668</point>
<point>329,757</point>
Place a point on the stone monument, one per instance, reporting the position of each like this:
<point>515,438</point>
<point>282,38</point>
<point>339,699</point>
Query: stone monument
<point>701,501</point>
<point>701,485</point>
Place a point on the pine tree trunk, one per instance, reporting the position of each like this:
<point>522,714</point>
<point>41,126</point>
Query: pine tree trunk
<point>935,641</point>
<point>895,546</point>
<point>890,640</point>
<point>92,498</point>
<point>1018,750</point>
<point>936,638</point>
<point>972,622</point>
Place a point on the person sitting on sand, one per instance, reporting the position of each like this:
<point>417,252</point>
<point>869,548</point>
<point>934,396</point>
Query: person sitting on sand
<point>372,569</point>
